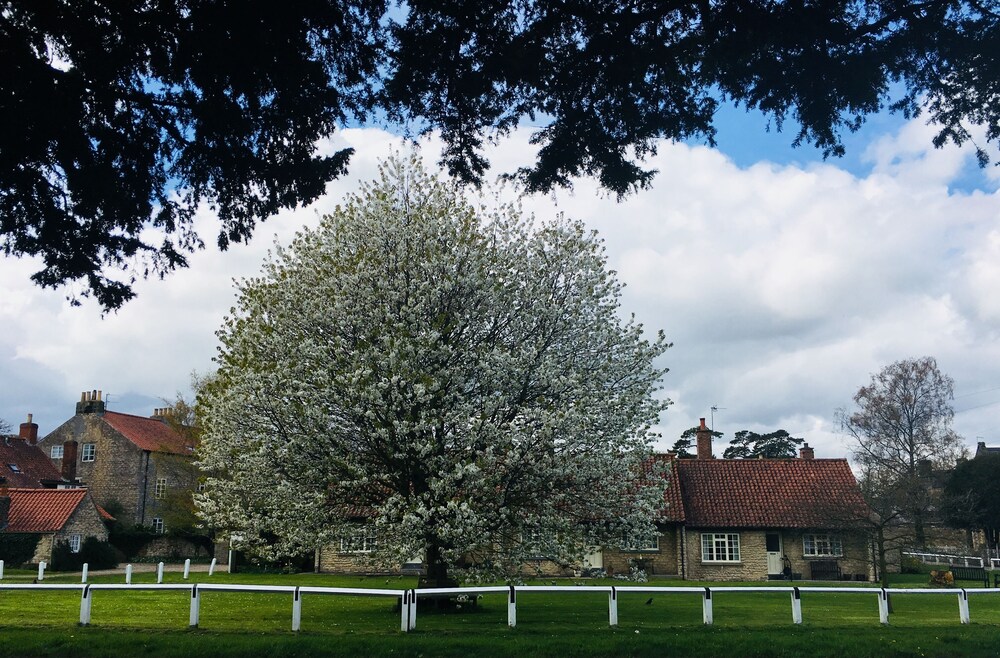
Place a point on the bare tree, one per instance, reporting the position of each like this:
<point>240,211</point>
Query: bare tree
<point>903,418</point>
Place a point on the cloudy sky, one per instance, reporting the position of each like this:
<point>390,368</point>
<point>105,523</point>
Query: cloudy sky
<point>783,281</point>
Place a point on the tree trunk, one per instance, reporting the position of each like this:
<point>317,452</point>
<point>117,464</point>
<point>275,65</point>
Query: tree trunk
<point>437,570</point>
<point>882,564</point>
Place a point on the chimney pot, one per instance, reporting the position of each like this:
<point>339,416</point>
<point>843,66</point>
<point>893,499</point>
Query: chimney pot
<point>805,452</point>
<point>90,403</point>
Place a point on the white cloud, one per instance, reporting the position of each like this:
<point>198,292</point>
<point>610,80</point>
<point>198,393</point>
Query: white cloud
<point>782,287</point>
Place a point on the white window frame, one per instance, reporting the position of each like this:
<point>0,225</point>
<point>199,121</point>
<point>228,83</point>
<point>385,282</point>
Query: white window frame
<point>360,540</point>
<point>720,547</point>
<point>160,489</point>
<point>74,543</point>
<point>822,544</point>
<point>56,452</point>
<point>158,526</point>
<point>88,452</point>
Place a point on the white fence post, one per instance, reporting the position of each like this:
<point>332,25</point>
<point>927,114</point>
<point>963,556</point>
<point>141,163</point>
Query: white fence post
<point>187,568</point>
<point>706,607</point>
<point>41,571</point>
<point>883,607</point>
<point>296,610</point>
<point>796,606</point>
<point>211,567</point>
<point>85,599</point>
<point>128,574</point>
<point>613,607</point>
<point>1,569</point>
<point>159,573</point>
<point>963,606</point>
<point>86,570</point>
<point>195,606</point>
<point>413,609</point>
<point>404,607</point>
<point>512,608</point>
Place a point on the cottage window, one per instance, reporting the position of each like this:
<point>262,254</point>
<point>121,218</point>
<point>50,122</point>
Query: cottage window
<point>720,547</point>
<point>643,543</point>
<point>89,452</point>
<point>822,545</point>
<point>361,540</point>
<point>74,543</point>
<point>56,452</point>
<point>158,526</point>
<point>160,490</point>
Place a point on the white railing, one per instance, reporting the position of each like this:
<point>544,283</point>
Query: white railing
<point>408,598</point>
<point>943,558</point>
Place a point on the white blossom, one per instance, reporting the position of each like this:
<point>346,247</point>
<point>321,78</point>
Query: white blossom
<point>458,377</point>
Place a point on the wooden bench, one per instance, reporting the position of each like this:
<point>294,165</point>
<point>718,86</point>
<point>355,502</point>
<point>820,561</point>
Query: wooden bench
<point>824,570</point>
<point>972,573</point>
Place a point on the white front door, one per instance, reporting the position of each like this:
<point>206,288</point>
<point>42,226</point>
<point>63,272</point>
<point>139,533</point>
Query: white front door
<point>775,564</point>
<point>594,559</point>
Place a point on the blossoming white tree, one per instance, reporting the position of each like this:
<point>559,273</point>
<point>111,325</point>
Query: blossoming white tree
<point>458,378</point>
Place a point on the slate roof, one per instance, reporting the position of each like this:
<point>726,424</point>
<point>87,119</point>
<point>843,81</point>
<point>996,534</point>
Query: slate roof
<point>42,510</point>
<point>149,434</point>
<point>761,493</point>
<point>31,463</point>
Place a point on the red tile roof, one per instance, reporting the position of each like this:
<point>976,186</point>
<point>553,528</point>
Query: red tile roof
<point>768,493</point>
<point>673,503</point>
<point>32,464</point>
<point>149,434</point>
<point>42,510</point>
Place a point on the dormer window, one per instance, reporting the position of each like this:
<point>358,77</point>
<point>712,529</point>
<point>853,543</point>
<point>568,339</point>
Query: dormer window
<point>14,467</point>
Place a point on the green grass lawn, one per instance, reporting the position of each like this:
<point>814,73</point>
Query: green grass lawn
<point>151,623</point>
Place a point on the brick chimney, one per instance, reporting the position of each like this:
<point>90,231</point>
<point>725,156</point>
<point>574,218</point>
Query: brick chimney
<point>704,441</point>
<point>806,452</point>
<point>69,460</point>
<point>29,431</point>
<point>90,403</point>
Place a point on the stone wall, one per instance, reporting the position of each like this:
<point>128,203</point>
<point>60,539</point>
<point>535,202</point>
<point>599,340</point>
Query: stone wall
<point>661,562</point>
<point>329,559</point>
<point>753,556</point>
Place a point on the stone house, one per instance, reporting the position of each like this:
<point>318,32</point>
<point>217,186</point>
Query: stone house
<point>755,519</point>
<point>55,515</point>
<point>140,468</point>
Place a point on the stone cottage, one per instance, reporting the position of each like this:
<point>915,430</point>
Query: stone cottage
<point>54,515</point>
<point>139,468</point>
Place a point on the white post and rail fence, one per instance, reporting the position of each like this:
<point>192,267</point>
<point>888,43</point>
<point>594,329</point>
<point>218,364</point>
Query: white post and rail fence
<point>408,598</point>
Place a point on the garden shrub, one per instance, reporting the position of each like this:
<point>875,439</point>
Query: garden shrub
<point>93,552</point>
<point>17,549</point>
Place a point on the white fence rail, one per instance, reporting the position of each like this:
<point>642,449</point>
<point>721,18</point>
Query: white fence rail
<point>953,560</point>
<point>408,598</point>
